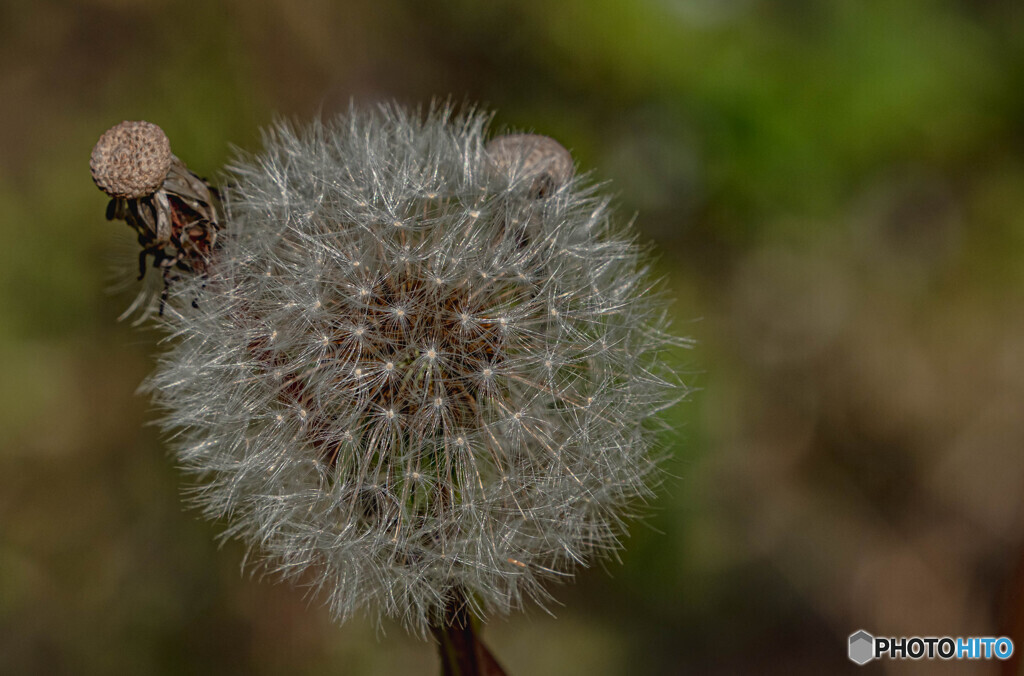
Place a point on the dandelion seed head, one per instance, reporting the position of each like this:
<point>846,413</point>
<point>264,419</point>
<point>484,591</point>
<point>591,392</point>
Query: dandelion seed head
<point>438,443</point>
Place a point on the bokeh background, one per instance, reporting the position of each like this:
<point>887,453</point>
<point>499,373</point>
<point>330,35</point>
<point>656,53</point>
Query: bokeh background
<point>836,193</point>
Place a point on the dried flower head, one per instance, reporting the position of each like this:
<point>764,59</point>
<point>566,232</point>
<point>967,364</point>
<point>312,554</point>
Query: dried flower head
<point>131,159</point>
<point>531,156</point>
<point>407,377</point>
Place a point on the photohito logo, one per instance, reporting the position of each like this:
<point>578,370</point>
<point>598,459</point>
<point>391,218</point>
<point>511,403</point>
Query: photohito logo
<point>863,647</point>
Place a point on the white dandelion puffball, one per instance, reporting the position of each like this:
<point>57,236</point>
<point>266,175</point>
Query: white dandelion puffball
<point>409,374</point>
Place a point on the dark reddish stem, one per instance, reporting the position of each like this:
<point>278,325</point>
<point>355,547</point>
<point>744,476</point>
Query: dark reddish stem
<point>459,645</point>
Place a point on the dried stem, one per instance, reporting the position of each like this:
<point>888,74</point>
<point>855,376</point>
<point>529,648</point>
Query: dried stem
<point>459,645</point>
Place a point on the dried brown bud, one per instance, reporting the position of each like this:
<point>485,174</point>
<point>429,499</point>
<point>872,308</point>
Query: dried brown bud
<point>131,159</point>
<point>534,155</point>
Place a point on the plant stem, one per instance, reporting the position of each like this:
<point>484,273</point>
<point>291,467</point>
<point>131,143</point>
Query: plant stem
<point>461,650</point>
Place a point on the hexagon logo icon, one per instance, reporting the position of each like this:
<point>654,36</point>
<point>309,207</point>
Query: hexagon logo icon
<point>862,647</point>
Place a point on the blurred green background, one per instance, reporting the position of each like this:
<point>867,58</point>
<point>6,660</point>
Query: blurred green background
<point>836,191</point>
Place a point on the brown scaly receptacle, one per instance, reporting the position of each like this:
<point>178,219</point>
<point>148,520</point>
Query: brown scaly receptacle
<point>541,158</point>
<point>173,211</point>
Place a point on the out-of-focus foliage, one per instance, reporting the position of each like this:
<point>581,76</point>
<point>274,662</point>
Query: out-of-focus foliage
<point>836,191</point>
